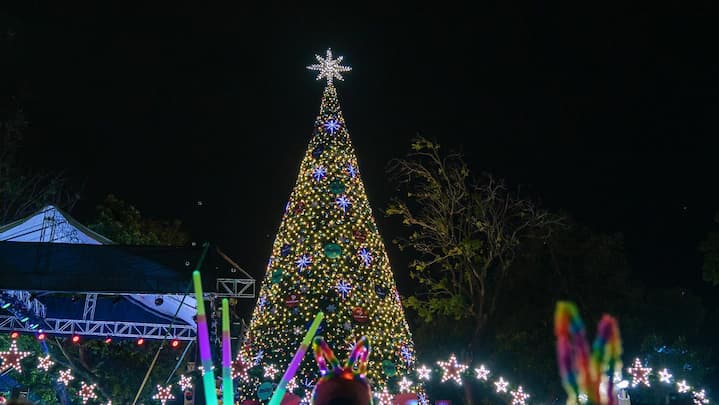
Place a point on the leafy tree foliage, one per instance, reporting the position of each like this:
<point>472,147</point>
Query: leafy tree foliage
<point>710,249</point>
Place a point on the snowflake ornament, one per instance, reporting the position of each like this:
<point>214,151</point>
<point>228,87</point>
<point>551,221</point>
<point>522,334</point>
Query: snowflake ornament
<point>258,357</point>
<point>640,374</point>
<point>164,394</point>
<point>303,262</point>
<point>406,354</point>
<point>482,372</point>
<point>343,288</point>
<point>185,382</point>
<point>319,173</point>
<point>343,203</point>
<point>423,372</point>
<point>65,377</point>
<point>331,126</point>
<point>501,385</point>
<point>351,170</point>
<point>12,358</point>
<point>422,399</point>
<point>87,392</point>
<point>329,68</point>
<point>44,363</point>
<point>366,256</point>
<point>452,369</point>
<point>519,397</point>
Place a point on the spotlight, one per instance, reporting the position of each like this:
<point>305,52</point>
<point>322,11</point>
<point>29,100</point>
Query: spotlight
<point>5,305</point>
<point>159,301</point>
<point>140,341</point>
<point>24,319</point>
<point>175,344</point>
<point>14,334</point>
<point>75,339</point>
<point>108,340</point>
<point>34,326</point>
<point>41,336</point>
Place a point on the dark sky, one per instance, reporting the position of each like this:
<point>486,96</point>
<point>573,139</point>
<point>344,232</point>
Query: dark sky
<point>606,111</point>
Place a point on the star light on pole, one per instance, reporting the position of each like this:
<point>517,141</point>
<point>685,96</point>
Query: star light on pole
<point>270,371</point>
<point>185,382</point>
<point>423,372</point>
<point>65,377</point>
<point>640,374</point>
<point>405,385</point>
<point>482,372</point>
<point>240,367</point>
<point>699,397</point>
<point>452,369</point>
<point>384,397</point>
<point>44,363</point>
<point>12,358</point>
<point>87,392</point>
<point>665,376</point>
<point>519,397</point>
<point>164,394</point>
<point>683,387</point>
<point>329,68</point>
<point>501,385</point>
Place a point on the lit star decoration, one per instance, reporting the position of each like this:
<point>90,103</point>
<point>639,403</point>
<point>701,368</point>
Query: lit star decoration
<point>343,288</point>
<point>640,374</point>
<point>12,358</point>
<point>319,173</point>
<point>665,376</point>
<point>292,384</point>
<point>384,397</point>
<point>329,68</point>
<point>699,397</point>
<point>366,256</point>
<point>519,397</point>
<point>452,369</point>
<point>164,394</point>
<point>405,385</point>
<point>185,382</point>
<point>65,377</point>
<point>482,372</point>
<point>343,203</point>
<point>270,371</point>
<point>331,126</point>
<point>423,372</point>
<point>501,385</point>
<point>683,387</point>
<point>303,262</point>
<point>87,392</point>
<point>240,367</point>
<point>44,363</point>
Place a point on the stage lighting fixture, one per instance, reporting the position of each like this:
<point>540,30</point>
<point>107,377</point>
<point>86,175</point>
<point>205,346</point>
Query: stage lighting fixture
<point>75,339</point>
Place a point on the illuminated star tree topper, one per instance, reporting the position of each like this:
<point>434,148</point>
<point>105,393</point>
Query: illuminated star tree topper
<point>12,358</point>
<point>329,68</point>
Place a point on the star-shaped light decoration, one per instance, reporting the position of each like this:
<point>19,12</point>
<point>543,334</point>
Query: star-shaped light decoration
<point>185,382</point>
<point>501,385</point>
<point>482,372</point>
<point>292,384</point>
<point>44,363</point>
<point>640,374</point>
<point>329,68</point>
<point>271,371</point>
<point>240,367</point>
<point>164,394</point>
<point>12,358</point>
<point>384,397</point>
<point>699,397</point>
<point>683,387</point>
<point>452,369</point>
<point>519,397</point>
<point>65,377</point>
<point>405,385</point>
<point>423,372</point>
<point>665,376</point>
<point>87,392</point>
<point>343,288</point>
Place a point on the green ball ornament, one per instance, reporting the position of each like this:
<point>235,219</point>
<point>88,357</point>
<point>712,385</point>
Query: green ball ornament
<point>333,250</point>
<point>337,187</point>
<point>276,276</point>
<point>389,368</point>
<point>264,391</point>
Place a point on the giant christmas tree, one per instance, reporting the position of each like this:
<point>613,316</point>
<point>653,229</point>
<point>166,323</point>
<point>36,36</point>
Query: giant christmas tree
<point>328,256</point>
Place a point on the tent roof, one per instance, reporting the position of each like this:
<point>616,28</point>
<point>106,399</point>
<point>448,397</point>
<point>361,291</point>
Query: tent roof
<point>50,224</point>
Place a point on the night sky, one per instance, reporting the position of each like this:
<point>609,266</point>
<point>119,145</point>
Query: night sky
<point>607,112</point>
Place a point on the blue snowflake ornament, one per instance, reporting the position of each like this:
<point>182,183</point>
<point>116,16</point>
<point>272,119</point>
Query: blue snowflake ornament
<point>331,126</point>
<point>343,203</point>
<point>343,288</point>
<point>366,256</point>
<point>319,173</point>
<point>303,262</point>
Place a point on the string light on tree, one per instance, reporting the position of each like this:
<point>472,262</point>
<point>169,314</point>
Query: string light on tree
<point>640,374</point>
<point>185,382</point>
<point>519,397</point>
<point>683,387</point>
<point>87,392</point>
<point>164,394</point>
<point>329,68</point>
<point>665,376</point>
<point>405,385</point>
<point>44,363</point>
<point>482,372</point>
<point>65,377</point>
<point>452,369</point>
<point>423,372</point>
<point>699,397</point>
<point>501,385</point>
<point>12,358</point>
